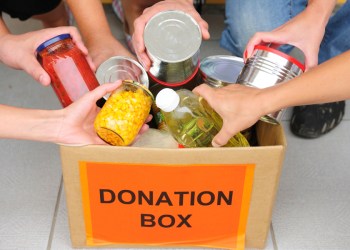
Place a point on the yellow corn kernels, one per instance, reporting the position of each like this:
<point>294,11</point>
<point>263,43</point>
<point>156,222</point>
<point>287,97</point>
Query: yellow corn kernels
<point>126,110</point>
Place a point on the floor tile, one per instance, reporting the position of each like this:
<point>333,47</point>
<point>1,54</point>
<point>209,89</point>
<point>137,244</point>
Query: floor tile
<point>312,205</point>
<point>29,180</point>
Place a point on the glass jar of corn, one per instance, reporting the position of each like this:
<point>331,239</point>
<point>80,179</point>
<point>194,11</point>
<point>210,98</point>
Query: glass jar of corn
<point>125,111</point>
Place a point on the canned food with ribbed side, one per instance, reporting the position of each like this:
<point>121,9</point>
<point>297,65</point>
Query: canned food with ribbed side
<point>271,64</point>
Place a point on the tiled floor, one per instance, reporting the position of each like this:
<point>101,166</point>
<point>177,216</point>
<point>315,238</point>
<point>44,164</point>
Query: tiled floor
<point>311,210</point>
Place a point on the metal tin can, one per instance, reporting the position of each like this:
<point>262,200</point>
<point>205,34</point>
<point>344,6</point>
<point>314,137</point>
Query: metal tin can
<point>125,111</point>
<point>172,40</point>
<point>121,68</point>
<point>70,73</point>
<point>270,65</point>
<point>221,70</point>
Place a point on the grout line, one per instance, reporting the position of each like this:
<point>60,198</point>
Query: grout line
<point>55,216</point>
<point>273,237</point>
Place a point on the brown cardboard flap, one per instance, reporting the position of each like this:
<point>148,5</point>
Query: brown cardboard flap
<point>268,159</point>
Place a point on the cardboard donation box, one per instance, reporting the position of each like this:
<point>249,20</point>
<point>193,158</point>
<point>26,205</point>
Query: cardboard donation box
<point>170,197</point>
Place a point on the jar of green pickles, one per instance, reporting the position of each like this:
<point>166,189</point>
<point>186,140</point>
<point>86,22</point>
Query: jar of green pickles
<point>125,111</point>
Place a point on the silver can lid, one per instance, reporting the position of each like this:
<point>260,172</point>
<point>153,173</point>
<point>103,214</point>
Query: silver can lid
<point>221,70</point>
<point>121,68</point>
<point>172,36</point>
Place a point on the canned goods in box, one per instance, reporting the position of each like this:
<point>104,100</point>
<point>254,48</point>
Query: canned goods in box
<point>221,70</point>
<point>124,113</point>
<point>172,40</point>
<point>271,64</point>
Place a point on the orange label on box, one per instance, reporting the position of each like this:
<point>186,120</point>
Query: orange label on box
<point>163,205</point>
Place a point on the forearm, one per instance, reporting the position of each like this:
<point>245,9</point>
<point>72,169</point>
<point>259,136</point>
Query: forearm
<point>3,31</point>
<point>322,9</point>
<point>29,124</point>
<point>90,18</point>
<point>3,28</point>
<point>328,82</point>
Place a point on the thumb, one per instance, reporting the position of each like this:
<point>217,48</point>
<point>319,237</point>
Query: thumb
<point>222,137</point>
<point>102,90</point>
<point>310,61</point>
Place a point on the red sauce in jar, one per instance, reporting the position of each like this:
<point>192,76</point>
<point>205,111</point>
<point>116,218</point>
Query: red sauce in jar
<point>70,73</point>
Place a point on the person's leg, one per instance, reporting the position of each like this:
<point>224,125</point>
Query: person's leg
<point>336,39</point>
<point>315,120</point>
<point>55,17</point>
<point>245,18</point>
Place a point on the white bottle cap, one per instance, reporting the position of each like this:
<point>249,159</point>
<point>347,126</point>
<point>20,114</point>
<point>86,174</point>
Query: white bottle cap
<point>167,99</point>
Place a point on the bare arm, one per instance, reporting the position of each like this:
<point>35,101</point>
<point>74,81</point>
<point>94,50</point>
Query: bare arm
<point>95,30</point>
<point>328,82</point>
<point>71,125</point>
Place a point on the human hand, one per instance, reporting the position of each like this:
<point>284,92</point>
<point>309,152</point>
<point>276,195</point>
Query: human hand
<point>77,122</point>
<point>102,48</point>
<point>148,13</point>
<point>19,51</point>
<point>238,106</point>
<point>302,32</point>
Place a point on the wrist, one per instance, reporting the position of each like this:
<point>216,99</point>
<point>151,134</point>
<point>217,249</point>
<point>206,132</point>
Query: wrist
<point>3,38</point>
<point>47,125</point>
<point>270,100</point>
<point>323,9</point>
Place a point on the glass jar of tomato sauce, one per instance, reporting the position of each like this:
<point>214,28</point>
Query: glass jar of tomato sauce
<point>125,111</point>
<point>70,73</point>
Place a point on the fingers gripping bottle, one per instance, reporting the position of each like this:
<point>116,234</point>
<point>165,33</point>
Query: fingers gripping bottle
<point>190,120</point>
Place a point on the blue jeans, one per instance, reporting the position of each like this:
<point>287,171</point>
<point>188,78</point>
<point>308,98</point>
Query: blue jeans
<point>246,17</point>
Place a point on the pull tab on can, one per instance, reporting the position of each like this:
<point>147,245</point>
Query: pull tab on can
<point>269,65</point>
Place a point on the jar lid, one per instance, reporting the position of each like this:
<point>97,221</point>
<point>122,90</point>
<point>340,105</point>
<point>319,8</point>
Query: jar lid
<point>221,70</point>
<point>172,36</point>
<point>52,41</point>
<point>139,85</point>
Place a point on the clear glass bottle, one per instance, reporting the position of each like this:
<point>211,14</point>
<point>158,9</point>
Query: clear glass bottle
<point>191,121</point>
<point>125,111</point>
<point>70,73</point>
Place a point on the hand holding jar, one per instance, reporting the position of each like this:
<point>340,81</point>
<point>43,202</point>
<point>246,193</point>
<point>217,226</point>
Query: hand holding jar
<point>69,70</point>
<point>124,113</point>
